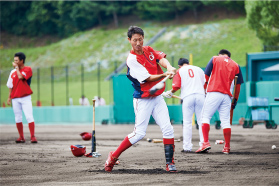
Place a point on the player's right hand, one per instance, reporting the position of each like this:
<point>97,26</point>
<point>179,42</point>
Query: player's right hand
<point>234,103</point>
<point>171,74</point>
<point>167,94</point>
<point>9,101</point>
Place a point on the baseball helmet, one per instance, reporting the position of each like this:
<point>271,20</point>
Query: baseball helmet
<point>86,136</point>
<point>78,150</point>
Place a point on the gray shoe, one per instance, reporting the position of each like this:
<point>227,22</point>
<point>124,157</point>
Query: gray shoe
<point>171,167</point>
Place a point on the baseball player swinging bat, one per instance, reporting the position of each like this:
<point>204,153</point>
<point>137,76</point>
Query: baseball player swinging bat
<point>158,86</point>
<point>93,149</point>
<point>231,112</point>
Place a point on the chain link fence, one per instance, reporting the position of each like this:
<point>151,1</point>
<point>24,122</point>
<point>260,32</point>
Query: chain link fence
<point>64,85</point>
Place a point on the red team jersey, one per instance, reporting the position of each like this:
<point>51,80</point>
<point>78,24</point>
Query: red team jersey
<point>140,67</point>
<point>222,71</point>
<point>20,87</point>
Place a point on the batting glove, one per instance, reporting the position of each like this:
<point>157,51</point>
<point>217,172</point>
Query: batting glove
<point>234,103</point>
<point>167,94</point>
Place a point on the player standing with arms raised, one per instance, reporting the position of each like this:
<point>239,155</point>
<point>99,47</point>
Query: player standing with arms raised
<point>20,94</point>
<point>144,72</point>
<point>219,74</point>
<point>191,81</point>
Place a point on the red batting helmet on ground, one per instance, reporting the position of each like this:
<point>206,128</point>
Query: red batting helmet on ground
<point>78,150</point>
<point>86,136</point>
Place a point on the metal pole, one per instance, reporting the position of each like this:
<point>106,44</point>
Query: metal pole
<point>172,62</point>
<point>82,79</point>
<point>115,67</point>
<point>38,84</point>
<point>0,89</point>
<point>99,74</point>
<point>67,86</point>
<point>52,86</point>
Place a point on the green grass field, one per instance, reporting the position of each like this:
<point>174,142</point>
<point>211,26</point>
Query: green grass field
<point>110,46</point>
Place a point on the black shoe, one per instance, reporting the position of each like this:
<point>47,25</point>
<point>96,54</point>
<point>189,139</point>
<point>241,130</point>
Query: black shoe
<point>186,151</point>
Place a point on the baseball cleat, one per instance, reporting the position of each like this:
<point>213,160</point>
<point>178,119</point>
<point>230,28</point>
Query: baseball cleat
<point>110,162</point>
<point>205,147</point>
<point>20,140</point>
<point>171,167</point>
<point>206,151</point>
<point>226,150</point>
<point>33,139</point>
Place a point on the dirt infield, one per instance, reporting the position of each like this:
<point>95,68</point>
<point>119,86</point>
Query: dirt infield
<point>50,162</point>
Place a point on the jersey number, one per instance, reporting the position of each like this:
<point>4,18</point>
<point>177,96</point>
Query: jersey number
<point>191,73</point>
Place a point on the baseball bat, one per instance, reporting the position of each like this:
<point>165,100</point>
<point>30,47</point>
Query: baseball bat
<point>93,149</point>
<point>159,140</point>
<point>158,86</point>
<point>174,96</point>
<point>231,111</point>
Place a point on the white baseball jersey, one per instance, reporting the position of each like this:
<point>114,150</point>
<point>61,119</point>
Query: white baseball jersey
<point>190,79</point>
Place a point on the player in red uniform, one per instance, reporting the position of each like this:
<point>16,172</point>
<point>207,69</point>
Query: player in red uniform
<point>144,72</point>
<point>219,74</point>
<point>20,94</point>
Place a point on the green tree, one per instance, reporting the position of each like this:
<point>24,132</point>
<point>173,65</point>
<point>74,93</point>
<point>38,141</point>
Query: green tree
<point>87,14</point>
<point>229,5</point>
<point>263,17</point>
<point>116,8</point>
<point>14,17</point>
<point>43,18</point>
<point>188,5</point>
<point>66,25</point>
<point>156,10</point>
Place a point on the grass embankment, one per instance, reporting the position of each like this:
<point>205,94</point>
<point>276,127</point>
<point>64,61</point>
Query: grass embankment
<point>108,46</point>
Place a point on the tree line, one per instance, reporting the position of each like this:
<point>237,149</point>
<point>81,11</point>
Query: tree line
<point>63,18</point>
<point>263,17</point>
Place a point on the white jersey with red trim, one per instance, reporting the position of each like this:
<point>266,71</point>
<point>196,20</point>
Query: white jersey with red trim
<point>190,79</point>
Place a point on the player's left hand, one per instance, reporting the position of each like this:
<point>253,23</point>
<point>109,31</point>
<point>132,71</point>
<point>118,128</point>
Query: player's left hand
<point>234,104</point>
<point>167,94</point>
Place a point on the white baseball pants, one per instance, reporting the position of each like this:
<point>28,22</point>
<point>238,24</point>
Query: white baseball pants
<point>192,103</point>
<point>24,104</point>
<point>144,108</point>
<point>217,101</point>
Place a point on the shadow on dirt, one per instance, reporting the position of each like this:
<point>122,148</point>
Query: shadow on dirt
<point>146,171</point>
<point>252,153</point>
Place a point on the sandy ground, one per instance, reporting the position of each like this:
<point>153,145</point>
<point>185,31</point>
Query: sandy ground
<point>50,161</point>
